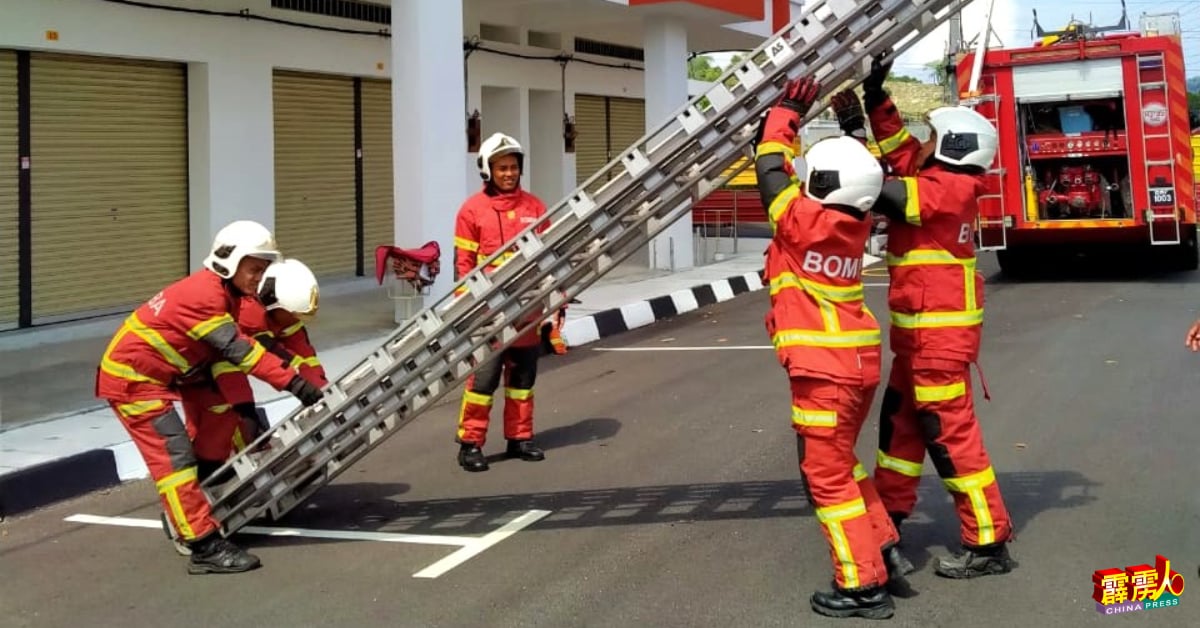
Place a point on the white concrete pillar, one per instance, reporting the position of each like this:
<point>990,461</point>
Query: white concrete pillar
<point>546,163</point>
<point>231,149</point>
<point>428,127</point>
<point>666,90</point>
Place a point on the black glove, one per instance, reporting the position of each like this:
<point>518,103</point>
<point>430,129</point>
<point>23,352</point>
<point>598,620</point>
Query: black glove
<point>849,113</point>
<point>308,394</point>
<point>799,94</point>
<point>879,72</point>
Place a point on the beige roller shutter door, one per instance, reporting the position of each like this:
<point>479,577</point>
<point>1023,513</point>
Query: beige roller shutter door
<point>8,189</point>
<point>109,183</point>
<point>626,124</point>
<point>378,215</point>
<point>314,171</point>
<point>591,143</point>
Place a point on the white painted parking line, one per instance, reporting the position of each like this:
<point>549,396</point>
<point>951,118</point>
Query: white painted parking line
<point>469,546</point>
<point>478,545</point>
<point>385,537</point>
<point>714,348</point>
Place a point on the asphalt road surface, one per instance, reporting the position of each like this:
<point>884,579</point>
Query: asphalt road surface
<point>673,496</point>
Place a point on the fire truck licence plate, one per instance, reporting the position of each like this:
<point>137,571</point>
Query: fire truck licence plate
<point>1162,196</point>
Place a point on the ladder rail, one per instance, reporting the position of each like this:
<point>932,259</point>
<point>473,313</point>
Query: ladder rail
<point>495,310</point>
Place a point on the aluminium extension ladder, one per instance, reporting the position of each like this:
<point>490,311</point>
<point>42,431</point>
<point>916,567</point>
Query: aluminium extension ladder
<point>654,183</point>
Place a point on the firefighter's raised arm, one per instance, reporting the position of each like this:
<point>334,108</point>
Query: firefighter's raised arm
<point>773,153</point>
<point>899,149</point>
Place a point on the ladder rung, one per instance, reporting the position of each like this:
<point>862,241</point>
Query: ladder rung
<point>1160,162</point>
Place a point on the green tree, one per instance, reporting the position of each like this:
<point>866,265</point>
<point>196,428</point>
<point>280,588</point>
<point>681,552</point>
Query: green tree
<point>938,68</point>
<point>700,68</point>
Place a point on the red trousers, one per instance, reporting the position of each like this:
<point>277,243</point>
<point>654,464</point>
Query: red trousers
<point>215,428</point>
<point>159,434</point>
<point>827,418</point>
<point>520,372</point>
<point>928,406</point>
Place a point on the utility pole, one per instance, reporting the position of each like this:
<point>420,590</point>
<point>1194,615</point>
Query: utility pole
<point>950,90</point>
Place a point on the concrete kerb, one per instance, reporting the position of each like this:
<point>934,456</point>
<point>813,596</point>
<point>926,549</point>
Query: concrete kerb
<point>56,478</point>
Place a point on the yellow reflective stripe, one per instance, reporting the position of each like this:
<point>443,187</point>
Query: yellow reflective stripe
<point>139,407</point>
<point>974,481</point>
<point>781,202</point>
<point>224,368</point>
<point>928,320</point>
<point>239,441</point>
<point>841,548</point>
<point>814,418</point>
<point>840,294</point>
<point>899,465</point>
<point>520,394</point>
<point>298,361</point>
<point>256,354</point>
<point>969,287</point>
<point>205,328</point>
<point>220,409</point>
<point>160,344</point>
<point>859,472</point>
<point>477,399</point>
<point>843,511</point>
<point>464,243</point>
<point>167,487</point>
<point>815,338</point>
<point>124,371</point>
<point>973,486</point>
<point>459,291</point>
<point>775,148</point>
<point>926,257</point>
<point>891,143</point>
<point>912,202</point>
<point>940,393</point>
<point>829,316</point>
<point>832,517</point>
<point>292,329</point>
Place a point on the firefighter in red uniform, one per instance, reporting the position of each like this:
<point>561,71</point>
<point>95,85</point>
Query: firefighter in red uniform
<point>183,330</point>
<point>219,409</point>
<point>829,343</point>
<point>485,222</point>
<point>936,303</point>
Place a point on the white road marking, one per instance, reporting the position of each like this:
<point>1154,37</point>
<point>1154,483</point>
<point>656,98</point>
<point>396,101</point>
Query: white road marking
<point>876,285</point>
<point>714,348</point>
<point>345,535</point>
<point>469,546</point>
<point>478,545</point>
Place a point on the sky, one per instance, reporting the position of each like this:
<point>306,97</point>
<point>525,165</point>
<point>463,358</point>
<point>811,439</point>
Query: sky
<point>1012,21</point>
<point>1013,24</point>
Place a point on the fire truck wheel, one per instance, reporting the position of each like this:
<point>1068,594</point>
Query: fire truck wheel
<point>1015,263</point>
<point>1185,255</point>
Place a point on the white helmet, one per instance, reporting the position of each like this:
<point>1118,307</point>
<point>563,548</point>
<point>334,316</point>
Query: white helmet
<point>496,145</point>
<point>964,137</point>
<point>242,238</point>
<point>291,286</point>
<point>841,171</point>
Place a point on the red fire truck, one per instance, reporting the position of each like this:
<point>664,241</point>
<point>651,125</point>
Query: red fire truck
<point>1095,147</point>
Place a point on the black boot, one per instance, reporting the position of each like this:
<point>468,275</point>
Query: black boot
<point>216,554</point>
<point>525,450</point>
<point>470,457</point>
<point>973,562</point>
<point>898,566</point>
<point>867,602</point>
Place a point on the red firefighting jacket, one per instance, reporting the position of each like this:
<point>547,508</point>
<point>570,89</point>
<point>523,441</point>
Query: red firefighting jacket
<point>181,332</point>
<point>936,293</point>
<point>818,321</point>
<point>484,224</point>
<point>289,342</point>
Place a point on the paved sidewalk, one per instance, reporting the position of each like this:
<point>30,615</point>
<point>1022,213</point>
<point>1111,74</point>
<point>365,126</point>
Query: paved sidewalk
<point>79,446</point>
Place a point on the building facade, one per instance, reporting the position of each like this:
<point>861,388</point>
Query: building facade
<point>131,132</point>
